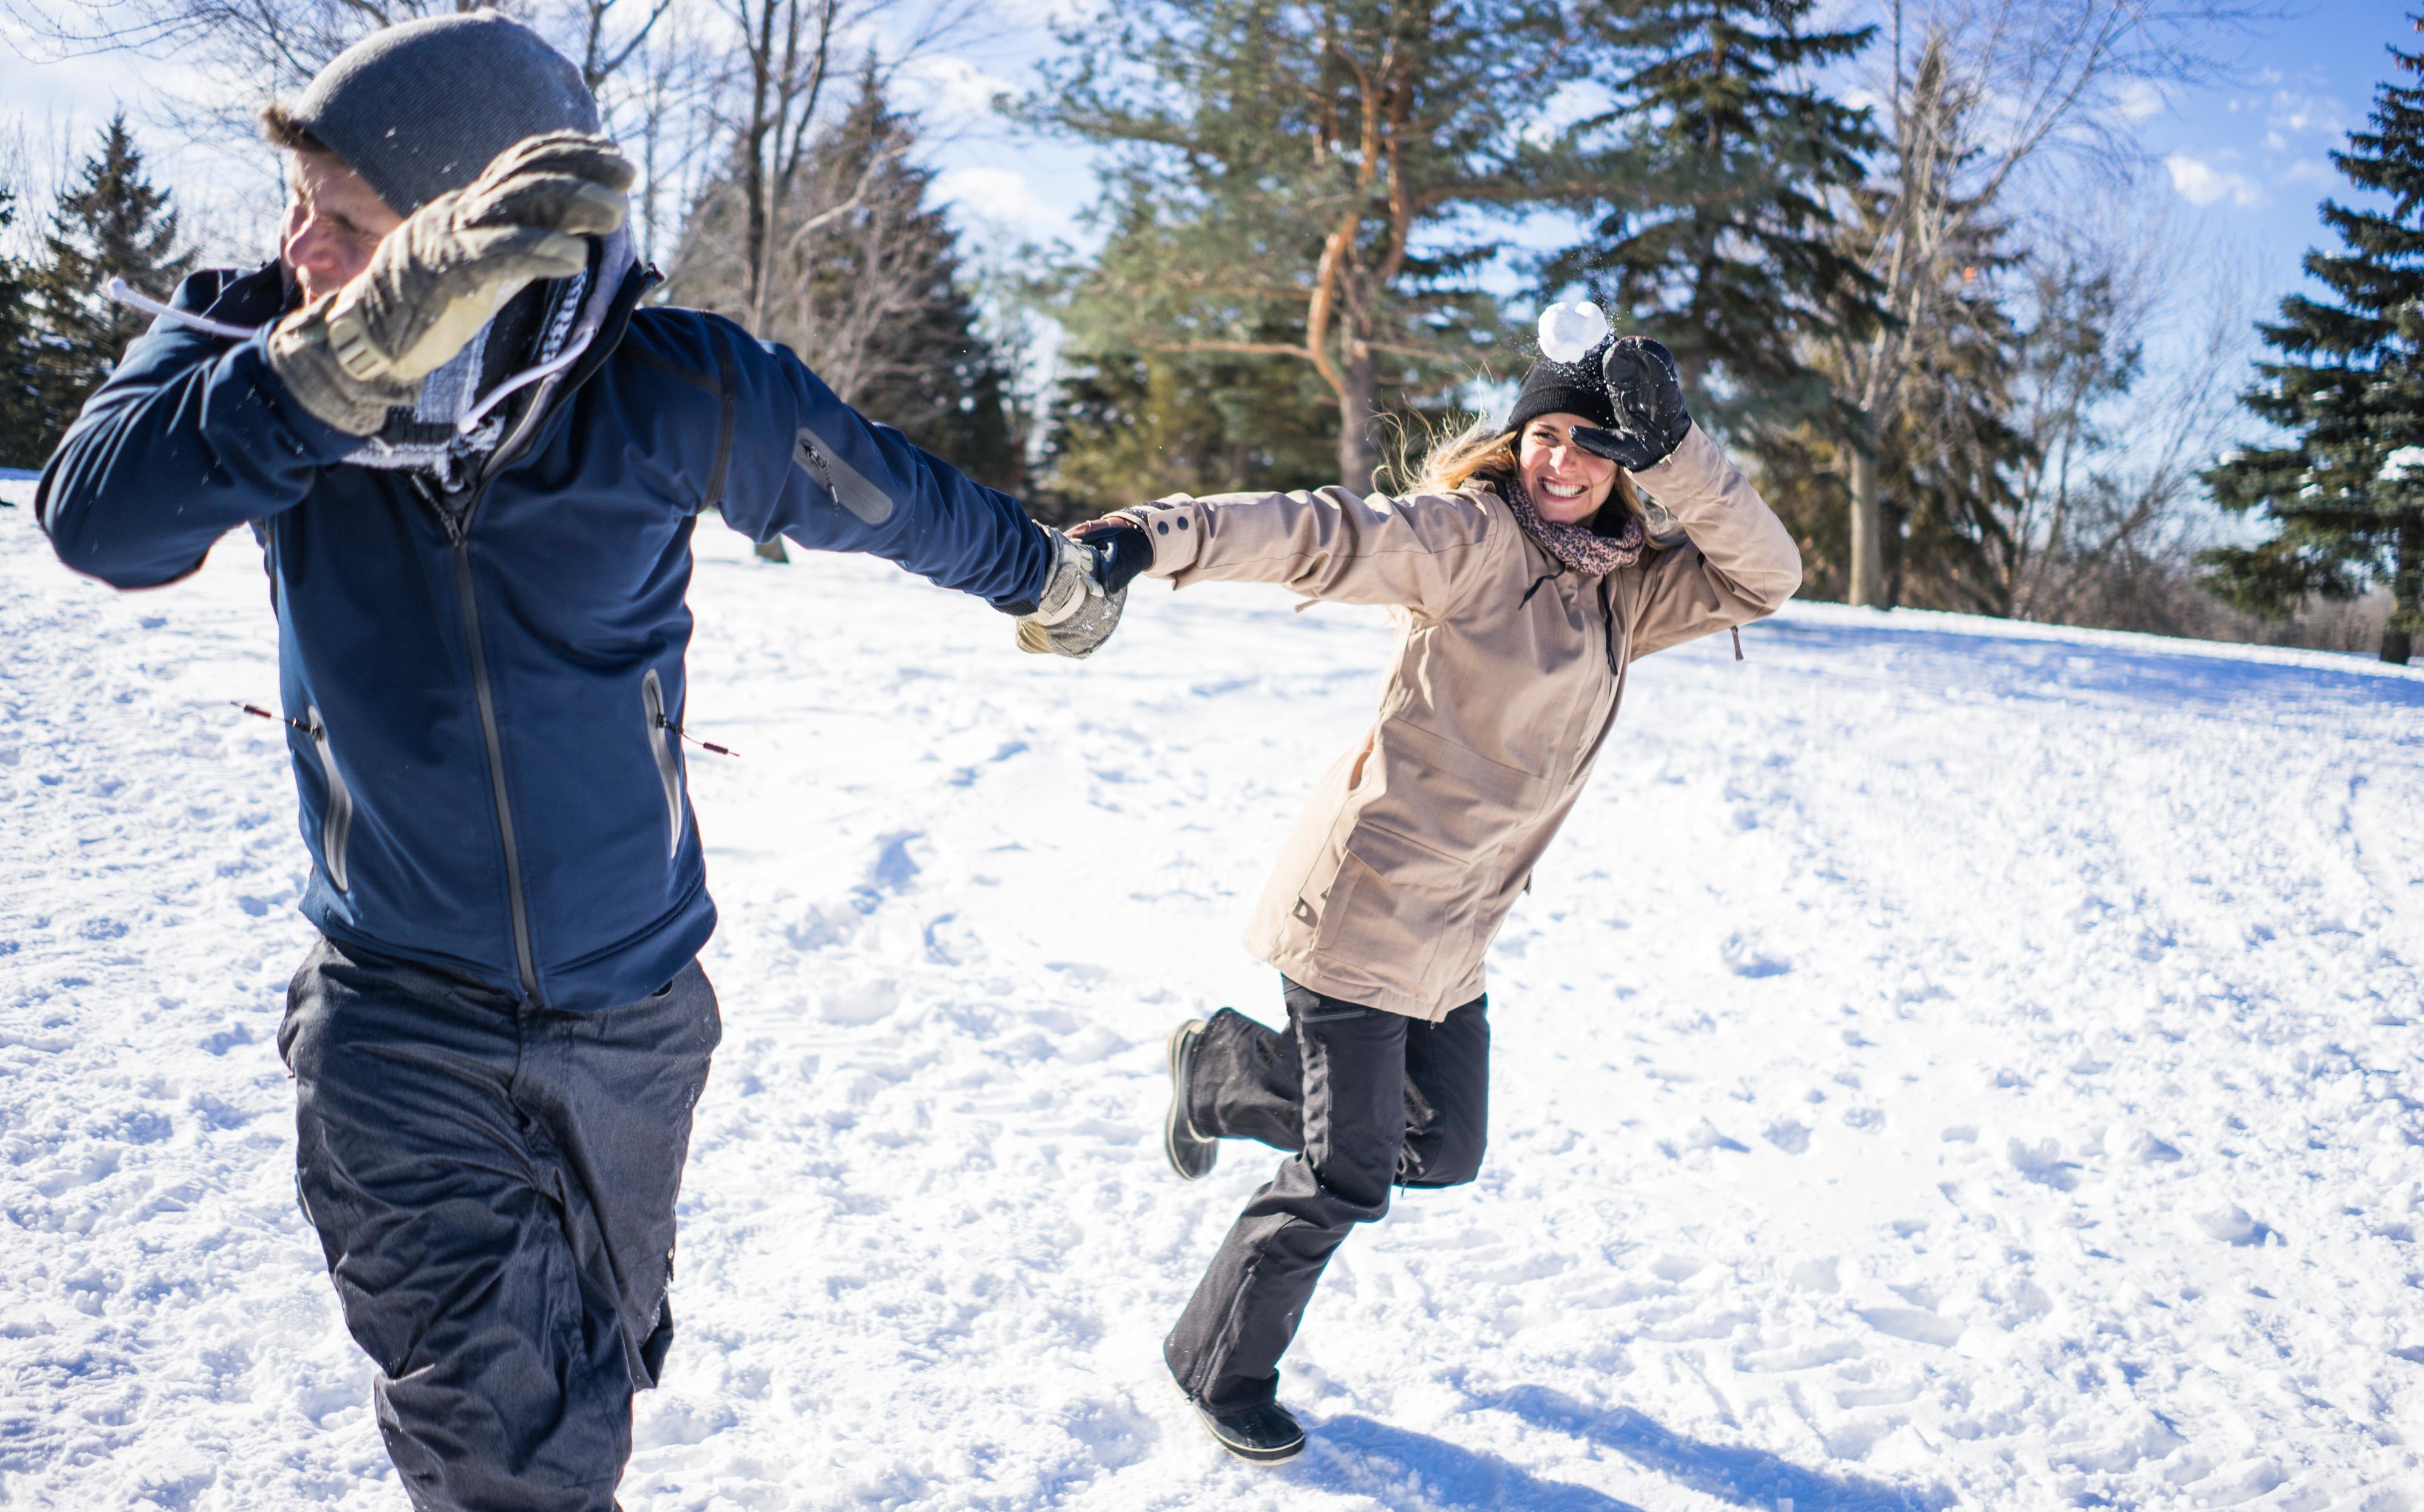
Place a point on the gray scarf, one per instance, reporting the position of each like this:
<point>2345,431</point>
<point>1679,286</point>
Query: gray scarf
<point>430,436</point>
<point>1580,548</point>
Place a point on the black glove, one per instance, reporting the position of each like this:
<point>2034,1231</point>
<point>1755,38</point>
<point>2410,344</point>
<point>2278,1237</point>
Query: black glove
<point>1647,398</point>
<point>1127,550</point>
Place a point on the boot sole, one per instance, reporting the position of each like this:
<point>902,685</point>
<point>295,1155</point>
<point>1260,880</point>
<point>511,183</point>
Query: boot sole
<point>1249,1455</point>
<point>1258,1456</point>
<point>1171,1130</point>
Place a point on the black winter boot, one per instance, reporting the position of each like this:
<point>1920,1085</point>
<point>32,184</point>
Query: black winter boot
<point>1191,1154</point>
<point>1263,1434</point>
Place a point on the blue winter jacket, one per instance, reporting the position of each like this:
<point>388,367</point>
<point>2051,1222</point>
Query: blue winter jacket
<point>488,773</point>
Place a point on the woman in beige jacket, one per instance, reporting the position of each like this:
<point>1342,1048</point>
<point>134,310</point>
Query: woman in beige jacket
<point>1522,583</point>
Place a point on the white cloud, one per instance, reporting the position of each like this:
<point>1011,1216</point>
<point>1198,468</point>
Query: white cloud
<point>2293,112</point>
<point>2200,183</point>
<point>2138,100</point>
<point>956,89</point>
<point>1002,196</point>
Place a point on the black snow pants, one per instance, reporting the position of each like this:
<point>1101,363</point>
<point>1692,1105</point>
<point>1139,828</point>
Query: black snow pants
<point>1368,1098</point>
<point>494,1188</point>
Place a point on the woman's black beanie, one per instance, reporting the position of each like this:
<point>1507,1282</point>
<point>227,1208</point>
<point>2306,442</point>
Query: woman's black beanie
<point>1565,388</point>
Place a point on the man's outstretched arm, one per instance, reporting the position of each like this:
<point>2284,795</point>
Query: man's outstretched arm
<point>807,465</point>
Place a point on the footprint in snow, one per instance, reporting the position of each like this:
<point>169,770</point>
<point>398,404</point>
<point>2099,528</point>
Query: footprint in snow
<point>2042,1163</point>
<point>1915,1323</point>
<point>2232,1225</point>
<point>1746,956</point>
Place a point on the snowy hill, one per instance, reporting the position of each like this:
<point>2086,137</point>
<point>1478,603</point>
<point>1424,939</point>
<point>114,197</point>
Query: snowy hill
<point>1943,1063</point>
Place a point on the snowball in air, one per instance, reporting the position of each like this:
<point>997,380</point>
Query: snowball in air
<point>1567,331</point>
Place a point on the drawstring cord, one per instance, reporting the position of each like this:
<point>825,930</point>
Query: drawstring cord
<point>680,733</point>
<point>669,725</point>
<point>256,709</point>
<point>1558,570</point>
<point>126,294</point>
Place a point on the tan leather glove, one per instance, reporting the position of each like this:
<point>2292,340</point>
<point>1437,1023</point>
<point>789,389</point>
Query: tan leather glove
<point>1079,610</point>
<point>445,272</point>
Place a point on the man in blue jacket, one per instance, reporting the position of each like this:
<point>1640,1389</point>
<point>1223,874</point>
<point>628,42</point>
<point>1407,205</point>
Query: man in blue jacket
<point>475,465</point>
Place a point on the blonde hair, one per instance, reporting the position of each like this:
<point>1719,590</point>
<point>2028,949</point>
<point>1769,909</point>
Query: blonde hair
<point>1488,451</point>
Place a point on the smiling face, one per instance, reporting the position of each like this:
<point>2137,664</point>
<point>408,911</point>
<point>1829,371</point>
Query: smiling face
<point>334,222</point>
<point>1567,485</point>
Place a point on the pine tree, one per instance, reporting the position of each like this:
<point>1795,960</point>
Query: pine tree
<point>110,222</point>
<point>1292,184</point>
<point>869,290</point>
<point>20,395</point>
<point>2345,495</point>
<point>1713,167</point>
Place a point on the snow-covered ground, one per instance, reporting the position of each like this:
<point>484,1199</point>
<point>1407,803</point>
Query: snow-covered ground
<point>1943,1063</point>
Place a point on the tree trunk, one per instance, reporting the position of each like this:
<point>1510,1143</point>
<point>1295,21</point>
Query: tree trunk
<point>1356,459</point>
<point>1868,574</point>
<point>2406,589</point>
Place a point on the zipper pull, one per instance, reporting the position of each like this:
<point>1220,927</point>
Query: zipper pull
<point>680,733</point>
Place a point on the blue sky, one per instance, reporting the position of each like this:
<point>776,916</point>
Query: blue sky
<point>2247,156</point>
<point>2242,160</point>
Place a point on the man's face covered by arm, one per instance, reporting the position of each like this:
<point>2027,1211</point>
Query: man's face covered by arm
<point>407,295</point>
<point>334,222</point>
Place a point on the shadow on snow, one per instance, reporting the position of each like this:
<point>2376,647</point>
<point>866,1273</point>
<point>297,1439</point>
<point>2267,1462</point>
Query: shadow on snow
<point>1356,1454</point>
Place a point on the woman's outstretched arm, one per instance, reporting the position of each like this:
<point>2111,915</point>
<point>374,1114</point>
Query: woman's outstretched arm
<point>1421,551</point>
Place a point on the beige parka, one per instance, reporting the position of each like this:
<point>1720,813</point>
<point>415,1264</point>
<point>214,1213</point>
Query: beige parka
<point>1417,843</point>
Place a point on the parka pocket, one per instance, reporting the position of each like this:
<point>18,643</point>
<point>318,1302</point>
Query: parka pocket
<point>337,812</point>
<point>1394,901</point>
<point>661,745</point>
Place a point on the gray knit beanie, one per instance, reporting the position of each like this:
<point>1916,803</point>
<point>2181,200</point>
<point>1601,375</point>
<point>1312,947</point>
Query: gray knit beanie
<point>421,108</point>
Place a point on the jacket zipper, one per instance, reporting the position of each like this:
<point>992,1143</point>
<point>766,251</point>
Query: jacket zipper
<point>486,698</point>
<point>458,533</point>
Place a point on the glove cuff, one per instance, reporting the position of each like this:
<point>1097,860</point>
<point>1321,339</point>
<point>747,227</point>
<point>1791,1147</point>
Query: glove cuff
<point>301,355</point>
<point>1071,582</point>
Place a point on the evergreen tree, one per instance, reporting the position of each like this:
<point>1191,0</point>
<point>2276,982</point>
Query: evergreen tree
<point>109,222</point>
<point>22,422</point>
<point>1939,449</point>
<point>1132,426</point>
<point>869,290</point>
<point>2346,494</point>
<point>1712,174</point>
<point>1291,187</point>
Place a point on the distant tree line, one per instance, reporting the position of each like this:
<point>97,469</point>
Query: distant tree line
<point>1324,226</point>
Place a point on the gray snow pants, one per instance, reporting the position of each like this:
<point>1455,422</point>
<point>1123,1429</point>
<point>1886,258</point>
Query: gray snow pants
<point>494,1188</point>
<point>1368,1099</point>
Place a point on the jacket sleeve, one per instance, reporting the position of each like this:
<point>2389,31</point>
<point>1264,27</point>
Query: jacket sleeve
<point>191,436</point>
<point>807,465</point>
<point>1422,551</point>
<point>1741,564</point>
